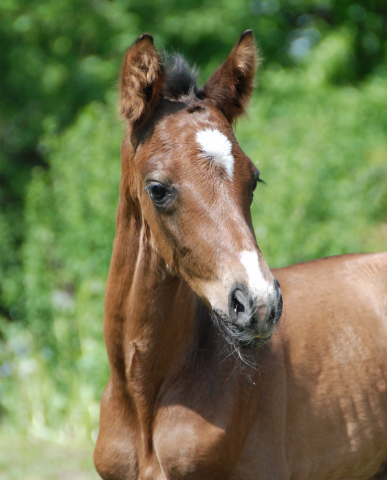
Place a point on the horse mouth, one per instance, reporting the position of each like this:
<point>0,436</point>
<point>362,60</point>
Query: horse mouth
<point>246,338</point>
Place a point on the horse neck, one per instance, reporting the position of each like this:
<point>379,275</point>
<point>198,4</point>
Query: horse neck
<point>149,313</point>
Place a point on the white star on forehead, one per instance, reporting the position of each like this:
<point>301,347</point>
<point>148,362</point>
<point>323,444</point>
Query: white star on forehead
<point>217,147</point>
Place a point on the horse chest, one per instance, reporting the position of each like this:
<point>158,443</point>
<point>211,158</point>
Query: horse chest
<point>232,437</point>
<point>189,446</point>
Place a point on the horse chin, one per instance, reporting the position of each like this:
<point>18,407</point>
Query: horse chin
<point>241,338</point>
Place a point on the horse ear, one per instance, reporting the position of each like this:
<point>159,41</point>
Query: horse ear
<point>141,79</point>
<point>231,85</point>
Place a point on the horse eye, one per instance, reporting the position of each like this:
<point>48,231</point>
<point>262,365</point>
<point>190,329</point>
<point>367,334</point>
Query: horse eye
<point>157,192</point>
<point>161,195</point>
<point>253,187</point>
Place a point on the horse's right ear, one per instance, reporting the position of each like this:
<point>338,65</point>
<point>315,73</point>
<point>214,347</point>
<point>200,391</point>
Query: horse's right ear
<point>141,79</point>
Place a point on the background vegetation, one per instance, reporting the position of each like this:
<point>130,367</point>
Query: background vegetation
<point>317,126</point>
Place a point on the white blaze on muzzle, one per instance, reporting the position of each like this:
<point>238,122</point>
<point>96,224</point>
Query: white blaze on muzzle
<point>259,287</point>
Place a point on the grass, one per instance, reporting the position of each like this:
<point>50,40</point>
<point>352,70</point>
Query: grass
<point>32,459</point>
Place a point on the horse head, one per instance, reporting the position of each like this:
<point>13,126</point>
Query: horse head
<point>192,183</point>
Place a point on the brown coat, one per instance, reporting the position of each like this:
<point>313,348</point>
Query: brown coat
<point>207,382</point>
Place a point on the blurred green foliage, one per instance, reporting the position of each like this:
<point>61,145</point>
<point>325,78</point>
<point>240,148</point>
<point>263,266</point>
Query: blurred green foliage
<point>323,151</point>
<point>317,127</point>
<point>33,459</point>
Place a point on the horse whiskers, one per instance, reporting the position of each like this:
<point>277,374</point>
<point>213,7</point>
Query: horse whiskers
<point>236,347</point>
<point>240,355</point>
<point>241,338</point>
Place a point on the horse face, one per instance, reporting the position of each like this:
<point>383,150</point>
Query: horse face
<point>195,188</point>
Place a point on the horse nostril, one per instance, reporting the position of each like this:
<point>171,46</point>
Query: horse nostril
<point>239,306</point>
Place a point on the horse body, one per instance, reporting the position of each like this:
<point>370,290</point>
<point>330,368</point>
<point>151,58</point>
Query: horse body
<point>200,386</point>
<point>336,358</point>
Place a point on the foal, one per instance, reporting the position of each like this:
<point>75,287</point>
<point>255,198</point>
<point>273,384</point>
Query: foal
<point>203,385</point>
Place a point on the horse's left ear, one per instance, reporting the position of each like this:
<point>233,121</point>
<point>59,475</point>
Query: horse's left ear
<point>231,85</point>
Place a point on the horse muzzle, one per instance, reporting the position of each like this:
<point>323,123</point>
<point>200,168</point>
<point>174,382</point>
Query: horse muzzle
<point>251,321</point>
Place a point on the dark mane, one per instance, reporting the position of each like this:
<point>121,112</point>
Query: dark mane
<point>180,77</point>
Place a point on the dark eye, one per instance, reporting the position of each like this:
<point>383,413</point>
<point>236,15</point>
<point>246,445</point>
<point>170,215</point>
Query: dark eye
<point>252,193</point>
<point>157,192</point>
<point>161,195</point>
<point>256,179</point>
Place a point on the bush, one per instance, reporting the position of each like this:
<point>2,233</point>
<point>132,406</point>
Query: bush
<point>58,361</point>
<point>323,151</point>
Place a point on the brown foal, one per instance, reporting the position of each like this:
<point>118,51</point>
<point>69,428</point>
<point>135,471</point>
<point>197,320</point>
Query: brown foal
<point>206,381</point>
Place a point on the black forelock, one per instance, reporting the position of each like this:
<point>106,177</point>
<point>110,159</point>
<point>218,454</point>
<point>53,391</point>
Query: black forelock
<point>180,77</point>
